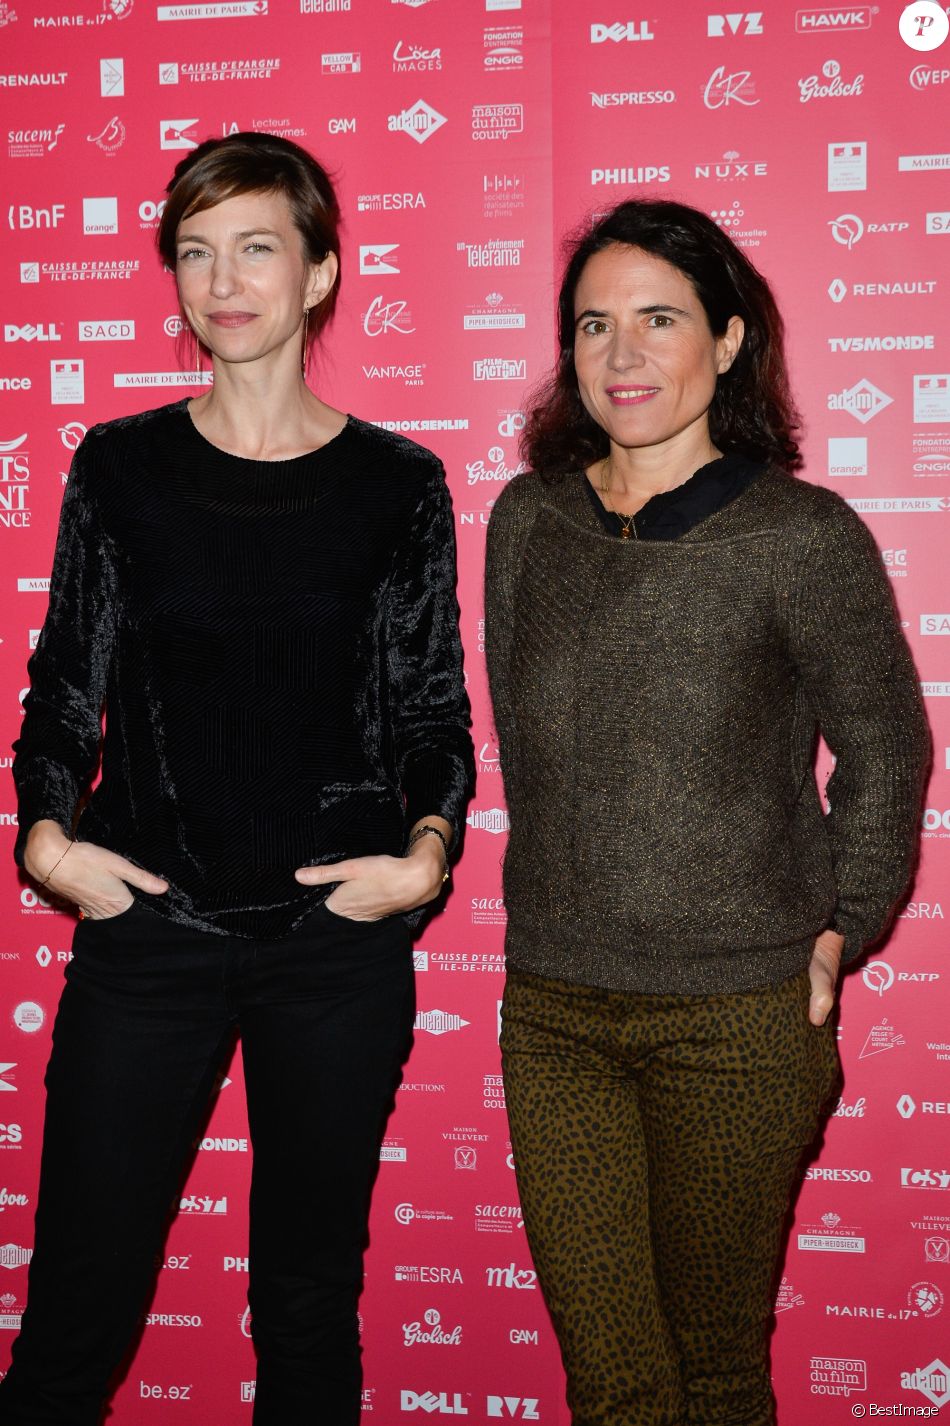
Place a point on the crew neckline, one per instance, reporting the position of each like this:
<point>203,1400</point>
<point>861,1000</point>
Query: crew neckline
<point>184,407</point>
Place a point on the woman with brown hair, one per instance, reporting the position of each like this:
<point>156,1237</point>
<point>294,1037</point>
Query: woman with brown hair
<point>670,619</point>
<point>260,590</point>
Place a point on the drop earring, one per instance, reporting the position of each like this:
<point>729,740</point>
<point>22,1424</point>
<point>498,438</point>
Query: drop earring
<point>306,341</point>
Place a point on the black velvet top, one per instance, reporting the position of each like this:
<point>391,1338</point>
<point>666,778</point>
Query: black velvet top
<point>276,645</point>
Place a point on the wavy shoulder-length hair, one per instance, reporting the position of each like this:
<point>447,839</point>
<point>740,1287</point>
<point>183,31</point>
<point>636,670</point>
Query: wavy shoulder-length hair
<point>752,411</point>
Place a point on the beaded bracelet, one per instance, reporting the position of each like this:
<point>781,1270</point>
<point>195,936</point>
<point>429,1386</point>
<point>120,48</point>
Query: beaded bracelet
<point>425,831</point>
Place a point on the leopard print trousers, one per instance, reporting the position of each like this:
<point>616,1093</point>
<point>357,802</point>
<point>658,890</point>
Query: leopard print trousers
<point>657,1142</point>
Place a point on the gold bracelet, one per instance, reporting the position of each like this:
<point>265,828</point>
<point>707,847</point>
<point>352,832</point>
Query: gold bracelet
<point>53,868</point>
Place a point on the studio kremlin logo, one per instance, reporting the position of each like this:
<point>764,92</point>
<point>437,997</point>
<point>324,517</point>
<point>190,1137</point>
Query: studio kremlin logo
<point>419,122</point>
<point>834,87</point>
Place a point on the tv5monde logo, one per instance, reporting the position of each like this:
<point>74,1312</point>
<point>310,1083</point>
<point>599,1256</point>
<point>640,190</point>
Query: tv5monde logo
<point>924,25</point>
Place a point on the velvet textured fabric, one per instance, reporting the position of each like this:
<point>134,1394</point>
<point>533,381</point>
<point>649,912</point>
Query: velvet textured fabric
<point>657,704</point>
<point>276,645</point>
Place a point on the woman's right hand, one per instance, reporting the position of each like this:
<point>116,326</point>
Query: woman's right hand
<point>95,879</point>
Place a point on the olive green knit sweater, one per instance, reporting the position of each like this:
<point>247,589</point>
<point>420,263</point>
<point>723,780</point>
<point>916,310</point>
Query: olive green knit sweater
<point>657,705</point>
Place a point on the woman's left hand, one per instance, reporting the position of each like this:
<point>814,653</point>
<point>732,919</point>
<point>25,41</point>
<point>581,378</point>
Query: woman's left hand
<point>373,887</point>
<point>823,971</point>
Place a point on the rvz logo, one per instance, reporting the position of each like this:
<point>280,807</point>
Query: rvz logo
<point>514,1408</point>
<point>749,23</point>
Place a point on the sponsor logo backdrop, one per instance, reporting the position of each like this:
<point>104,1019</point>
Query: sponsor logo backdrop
<point>466,137</point>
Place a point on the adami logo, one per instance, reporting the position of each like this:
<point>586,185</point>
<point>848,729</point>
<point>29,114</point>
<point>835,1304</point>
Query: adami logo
<point>823,20</point>
<point>419,122</point>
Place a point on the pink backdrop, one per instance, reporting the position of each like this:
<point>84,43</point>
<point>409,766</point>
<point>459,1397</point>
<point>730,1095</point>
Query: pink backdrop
<point>466,136</point>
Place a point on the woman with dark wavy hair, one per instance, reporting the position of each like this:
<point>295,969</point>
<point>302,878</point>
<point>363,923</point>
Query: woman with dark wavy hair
<point>671,619</point>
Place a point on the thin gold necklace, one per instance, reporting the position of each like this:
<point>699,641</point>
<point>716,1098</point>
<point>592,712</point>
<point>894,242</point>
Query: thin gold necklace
<point>626,521</point>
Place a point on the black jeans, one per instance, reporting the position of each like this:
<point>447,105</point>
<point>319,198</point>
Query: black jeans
<point>148,1011</point>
